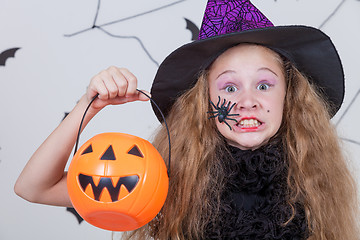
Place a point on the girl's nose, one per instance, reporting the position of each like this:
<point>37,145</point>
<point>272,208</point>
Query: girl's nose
<point>246,101</point>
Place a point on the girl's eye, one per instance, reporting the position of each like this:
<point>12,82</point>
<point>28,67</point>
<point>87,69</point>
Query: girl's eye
<point>230,89</point>
<point>263,86</point>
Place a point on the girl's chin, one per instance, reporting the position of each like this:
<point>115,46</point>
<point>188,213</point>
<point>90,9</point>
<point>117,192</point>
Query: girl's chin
<point>247,145</point>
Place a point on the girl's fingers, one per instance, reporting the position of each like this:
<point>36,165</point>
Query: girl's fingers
<point>131,81</point>
<point>112,89</point>
<point>143,97</point>
<point>97,86</point>
<point>115,86</point>
<point>119,80</point>
<point>108,83</point>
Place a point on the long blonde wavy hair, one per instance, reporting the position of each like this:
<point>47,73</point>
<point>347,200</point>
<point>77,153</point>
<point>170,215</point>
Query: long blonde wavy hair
<point>318,173</point>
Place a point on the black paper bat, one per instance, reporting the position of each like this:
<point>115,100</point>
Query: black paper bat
<point>75,213</point>
<point>7,54</point>
<point>65,115</point>
<point>193,28</point>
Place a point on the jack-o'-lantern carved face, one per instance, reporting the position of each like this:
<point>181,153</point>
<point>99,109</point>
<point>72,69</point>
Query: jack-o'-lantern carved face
<point>111,184</point>
<point>117,181</point>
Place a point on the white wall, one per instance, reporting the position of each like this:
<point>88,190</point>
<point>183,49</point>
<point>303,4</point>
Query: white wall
<point>51,71</point>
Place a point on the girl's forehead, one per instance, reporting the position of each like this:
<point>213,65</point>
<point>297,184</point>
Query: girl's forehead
<point>247,57</point>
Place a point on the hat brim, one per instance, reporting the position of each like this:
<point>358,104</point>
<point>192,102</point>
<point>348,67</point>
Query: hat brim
<point>311,50</point>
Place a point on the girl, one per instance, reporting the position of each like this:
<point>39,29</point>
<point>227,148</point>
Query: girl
<point>254,154</point>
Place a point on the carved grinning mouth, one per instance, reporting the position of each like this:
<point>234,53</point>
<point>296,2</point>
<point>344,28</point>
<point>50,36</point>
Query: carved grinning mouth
<point>129,183</point>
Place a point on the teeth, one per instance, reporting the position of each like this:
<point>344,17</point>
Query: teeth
<point>105,196</point>
<point>96,180</point>
<point>106,189</point>
<point>249,123</point>
<point>123,192</point>
<point>89,192</point>
<point>114,180</point>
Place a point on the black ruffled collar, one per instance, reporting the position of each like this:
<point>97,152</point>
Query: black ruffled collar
<point>254,202</point>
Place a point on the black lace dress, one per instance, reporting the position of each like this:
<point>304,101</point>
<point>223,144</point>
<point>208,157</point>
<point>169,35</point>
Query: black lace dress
<point>254,202</point>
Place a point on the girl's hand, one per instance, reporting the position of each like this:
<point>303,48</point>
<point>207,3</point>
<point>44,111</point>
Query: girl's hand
<point>114,86</point>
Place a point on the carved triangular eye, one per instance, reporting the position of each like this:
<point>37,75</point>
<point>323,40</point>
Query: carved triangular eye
<point>135,151</point>
<point>108,154</point>
<point>87,150</point>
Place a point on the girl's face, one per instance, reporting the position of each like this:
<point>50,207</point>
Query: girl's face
<point>252,77</point>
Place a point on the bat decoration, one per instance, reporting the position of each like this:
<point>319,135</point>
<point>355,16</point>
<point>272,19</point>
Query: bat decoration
<point>193,28</point>
<point>222,112</point>
<point>65,115</point>
<point>73,211</point>
<point>7,54</point>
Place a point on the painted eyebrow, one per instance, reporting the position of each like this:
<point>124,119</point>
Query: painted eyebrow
<point>260,69</point>
<point>227,71</point>
<point>267,69</point>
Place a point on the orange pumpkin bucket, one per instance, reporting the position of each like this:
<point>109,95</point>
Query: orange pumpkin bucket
<point>117,181</point>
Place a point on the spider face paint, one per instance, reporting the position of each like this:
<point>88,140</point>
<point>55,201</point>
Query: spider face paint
<point>222,112</point>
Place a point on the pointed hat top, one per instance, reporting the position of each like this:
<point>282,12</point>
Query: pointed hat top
<point>223,17</point>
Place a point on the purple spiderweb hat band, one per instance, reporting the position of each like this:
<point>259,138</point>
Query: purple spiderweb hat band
<point>226,16</point>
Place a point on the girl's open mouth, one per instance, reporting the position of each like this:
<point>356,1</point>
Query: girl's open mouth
<point>249,123</point>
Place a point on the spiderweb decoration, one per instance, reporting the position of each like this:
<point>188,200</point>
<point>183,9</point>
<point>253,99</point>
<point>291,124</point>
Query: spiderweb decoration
<point>102,29</point>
